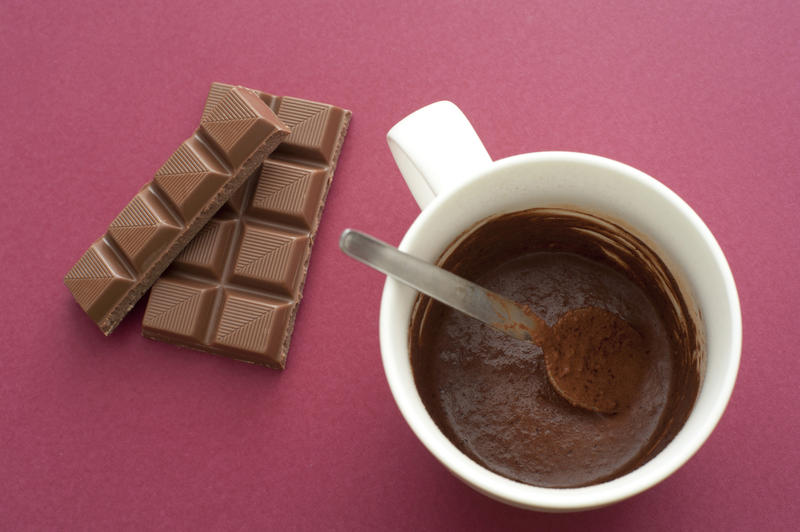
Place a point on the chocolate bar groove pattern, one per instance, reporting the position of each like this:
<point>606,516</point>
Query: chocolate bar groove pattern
<point>234,136</point>
<point>246,269</point>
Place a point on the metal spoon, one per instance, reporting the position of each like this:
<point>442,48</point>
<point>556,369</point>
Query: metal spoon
<point>593,357</point>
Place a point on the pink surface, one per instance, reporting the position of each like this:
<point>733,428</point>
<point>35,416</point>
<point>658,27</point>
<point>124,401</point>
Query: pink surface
<point>121,432</point>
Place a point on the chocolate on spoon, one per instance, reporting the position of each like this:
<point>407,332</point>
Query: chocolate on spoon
<point>594,359</point>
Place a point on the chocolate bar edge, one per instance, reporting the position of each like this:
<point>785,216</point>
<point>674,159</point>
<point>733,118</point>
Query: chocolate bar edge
<point>211,350</point>
<point>312,238</point>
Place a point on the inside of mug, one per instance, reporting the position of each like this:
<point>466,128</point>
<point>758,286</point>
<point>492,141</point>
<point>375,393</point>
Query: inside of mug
<point>605,241</point>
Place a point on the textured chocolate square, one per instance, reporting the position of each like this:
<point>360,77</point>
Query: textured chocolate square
<point>249,324</point>
<point>254,253</point>
<point>269,258</point>
<point>288,192</point>
<point>183,307</point>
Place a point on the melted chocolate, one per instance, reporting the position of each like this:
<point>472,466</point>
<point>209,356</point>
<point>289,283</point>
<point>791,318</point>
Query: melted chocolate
<point>489,393</point>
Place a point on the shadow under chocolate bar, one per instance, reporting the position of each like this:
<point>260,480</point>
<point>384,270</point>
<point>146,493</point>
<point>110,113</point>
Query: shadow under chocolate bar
<point>236,287</point>
<point>234,136</point>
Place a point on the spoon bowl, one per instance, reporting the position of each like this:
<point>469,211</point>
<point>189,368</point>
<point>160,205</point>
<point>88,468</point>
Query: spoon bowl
<point>596,360</point>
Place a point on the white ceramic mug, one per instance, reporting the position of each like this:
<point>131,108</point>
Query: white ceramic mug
<point>456,184</point>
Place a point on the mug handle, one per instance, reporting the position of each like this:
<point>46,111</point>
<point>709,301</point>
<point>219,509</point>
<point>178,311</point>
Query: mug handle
<point>436,149</point>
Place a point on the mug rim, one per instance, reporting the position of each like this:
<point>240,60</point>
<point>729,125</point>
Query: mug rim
<point>561,499</point>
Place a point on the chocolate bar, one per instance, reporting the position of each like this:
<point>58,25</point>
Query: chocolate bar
<point>234,136</point>
<point>236,287</point>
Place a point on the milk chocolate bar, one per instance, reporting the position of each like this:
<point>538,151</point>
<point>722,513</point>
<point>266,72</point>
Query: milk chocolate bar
<point>236,287</point>
<point>234,136</point>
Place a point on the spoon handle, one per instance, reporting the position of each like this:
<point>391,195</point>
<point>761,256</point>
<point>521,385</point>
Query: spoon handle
<point>463,295</point>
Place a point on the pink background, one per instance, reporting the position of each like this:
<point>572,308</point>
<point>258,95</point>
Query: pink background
<point>121,432</point>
